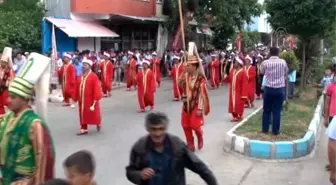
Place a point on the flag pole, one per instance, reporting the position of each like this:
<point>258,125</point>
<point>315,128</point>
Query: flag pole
<point>182,25</point>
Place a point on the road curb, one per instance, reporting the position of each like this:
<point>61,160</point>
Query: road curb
<point>278,150</point>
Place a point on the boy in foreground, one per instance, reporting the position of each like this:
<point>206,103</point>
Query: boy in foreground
<point>80,168</point>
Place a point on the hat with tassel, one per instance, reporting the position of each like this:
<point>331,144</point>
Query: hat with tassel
<point>193,57</point>
<point>7,56</point>
<point>35,73</point>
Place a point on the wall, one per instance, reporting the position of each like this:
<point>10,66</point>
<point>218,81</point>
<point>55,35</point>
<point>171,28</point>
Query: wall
<point>88,44</point>
<point>140,8</point>
<point>58,8</point>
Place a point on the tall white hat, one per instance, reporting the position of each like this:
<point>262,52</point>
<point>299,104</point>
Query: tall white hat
<point>7,56</point>
<point>88,62</point>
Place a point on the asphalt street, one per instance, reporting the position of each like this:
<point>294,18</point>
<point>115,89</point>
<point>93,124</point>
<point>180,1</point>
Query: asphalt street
<point>122,126</point>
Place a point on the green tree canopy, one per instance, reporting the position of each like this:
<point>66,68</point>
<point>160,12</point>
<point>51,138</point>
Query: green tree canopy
<point>20,25</point>
<point>229,16</point>
<point>307,19</point>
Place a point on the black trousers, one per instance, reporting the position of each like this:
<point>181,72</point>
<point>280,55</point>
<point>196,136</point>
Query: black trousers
<point>258,84</point>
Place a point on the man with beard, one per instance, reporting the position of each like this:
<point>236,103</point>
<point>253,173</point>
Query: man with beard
<point>160,158</point>
<point>27,153</point>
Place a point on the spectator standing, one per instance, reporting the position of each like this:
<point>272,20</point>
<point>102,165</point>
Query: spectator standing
<point>18,62</point>
<point>275,71</point>
<point>166,157</point>
<point>291,80</point>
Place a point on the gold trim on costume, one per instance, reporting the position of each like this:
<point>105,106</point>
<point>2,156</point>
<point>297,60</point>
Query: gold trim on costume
<point>233,90</point>
<point>81,95</point>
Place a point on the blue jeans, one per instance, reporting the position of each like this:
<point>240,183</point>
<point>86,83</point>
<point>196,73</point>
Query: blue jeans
<point>273,102</point>
<point>291,89</point>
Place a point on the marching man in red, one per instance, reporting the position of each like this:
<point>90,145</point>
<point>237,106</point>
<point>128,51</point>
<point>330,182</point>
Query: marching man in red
<point>214,68</point>
<point>106,68</point>
<point>131,71</point>
<point>238,89</point>
<point>68,75</point>
<point>88,95</point>
<point>155,66</point>
<point>146,87</point>
<point>195,99</point>
<point>251,85</point>
<point>6,77</point>
<point>175,73</point>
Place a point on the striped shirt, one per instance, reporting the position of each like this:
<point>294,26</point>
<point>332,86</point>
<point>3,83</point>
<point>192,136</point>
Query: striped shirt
<point>275,70</point>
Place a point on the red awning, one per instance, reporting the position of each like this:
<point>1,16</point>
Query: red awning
<point>74,28</point>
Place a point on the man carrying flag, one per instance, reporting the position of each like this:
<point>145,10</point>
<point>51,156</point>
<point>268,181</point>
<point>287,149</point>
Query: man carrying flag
<point>27,153</point>
<point>195,99</point>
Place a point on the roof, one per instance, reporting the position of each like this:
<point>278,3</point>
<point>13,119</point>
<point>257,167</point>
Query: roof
<point>76,28</point>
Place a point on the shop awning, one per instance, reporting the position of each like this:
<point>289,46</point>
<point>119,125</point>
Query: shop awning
<point>75,28</point>
<point>204,30</point>
<point>155,19</point>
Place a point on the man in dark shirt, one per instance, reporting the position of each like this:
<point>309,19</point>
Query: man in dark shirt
<point>160,158</point>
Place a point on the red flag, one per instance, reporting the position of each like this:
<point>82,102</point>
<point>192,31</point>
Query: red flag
<point>177,39</point>
<point>291,42</point>
<point>238,42</point>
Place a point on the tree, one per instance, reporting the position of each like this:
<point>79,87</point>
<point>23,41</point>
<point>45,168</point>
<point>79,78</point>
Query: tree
<point>225,17</point>
<point>306,19</point>
<point>20,25</point>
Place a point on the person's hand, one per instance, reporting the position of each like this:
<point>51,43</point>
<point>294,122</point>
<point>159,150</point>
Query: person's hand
<point>326,123</point>
<point>147,173</point>
<point>199,112</point>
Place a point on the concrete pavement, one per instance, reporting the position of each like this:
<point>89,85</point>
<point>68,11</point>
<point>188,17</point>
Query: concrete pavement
<point>122,126</point>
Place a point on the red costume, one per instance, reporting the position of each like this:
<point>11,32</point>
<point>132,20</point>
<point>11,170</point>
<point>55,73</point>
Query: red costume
<point>251,86</point>
<point>214,67</point>
<point>88,94</point>
<point>155,66</point>
<point>6,77</point>
<point>68,75</point>
<point>131,73</point>
<point>195,104</point>
<point>146,88</point>
<point>175,73</point>
<point>106,68</point>
<point>238,92</point>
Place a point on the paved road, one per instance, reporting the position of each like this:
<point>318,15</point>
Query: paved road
<point>122,126</point>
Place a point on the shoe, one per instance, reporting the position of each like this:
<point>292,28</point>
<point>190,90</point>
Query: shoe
<point>66,105</point>
<point>128,89</point>
<point>141,111</point>
<point>98,128</point>
<point>72,106</point>
<point>176,99</point>
<point>82,132</point>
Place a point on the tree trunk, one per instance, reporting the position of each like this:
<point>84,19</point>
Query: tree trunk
<point>303,71</point>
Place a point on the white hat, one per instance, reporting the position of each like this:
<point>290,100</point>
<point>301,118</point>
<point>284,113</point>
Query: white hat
<point>7,56</point>
<point>213,55</point>
<point>88,62</point>
<point>145,62</point>
<point>239,61</point>
<point>34,74</point>
<point>130,53</point>
<point>222,53</point>
<point>176,57</point>
<point>154,53</point>
<point>107,55</point>
<point>67,55</point>
<point>182,51</point>
<point>249,58</point>
<point>232,53</point>
<point>260,56</point>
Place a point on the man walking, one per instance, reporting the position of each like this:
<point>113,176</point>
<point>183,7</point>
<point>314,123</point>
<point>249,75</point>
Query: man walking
<point>160,158</point>
<point>275,71</point>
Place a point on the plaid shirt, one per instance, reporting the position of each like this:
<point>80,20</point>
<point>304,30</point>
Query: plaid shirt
<point>275,70</point>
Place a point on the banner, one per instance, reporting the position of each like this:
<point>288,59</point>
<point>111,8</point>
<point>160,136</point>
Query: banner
<point>238,42</point>
<point>54,75</point>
